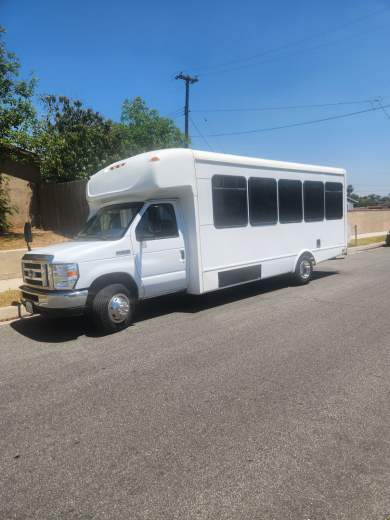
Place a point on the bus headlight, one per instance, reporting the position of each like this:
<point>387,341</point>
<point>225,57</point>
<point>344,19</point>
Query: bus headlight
<point>65,276</point>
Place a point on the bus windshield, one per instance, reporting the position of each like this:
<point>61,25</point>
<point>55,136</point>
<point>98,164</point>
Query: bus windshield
<point>110,222</point>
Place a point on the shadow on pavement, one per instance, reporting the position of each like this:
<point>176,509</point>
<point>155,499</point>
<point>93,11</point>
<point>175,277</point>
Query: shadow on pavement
<point>191,303</point>
<point>60,330</point>
<point>53,330</point>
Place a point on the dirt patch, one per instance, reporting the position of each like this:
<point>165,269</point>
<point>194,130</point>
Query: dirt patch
<point>15,240</point>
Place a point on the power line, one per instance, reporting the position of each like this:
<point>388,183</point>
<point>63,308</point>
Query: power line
<point>293,53</point>
<point>217,67</point>
<point>383,108</point>
<point>201,135</point>
<point>175,113</point>
<point>288,107</point>
<point>302,123</point>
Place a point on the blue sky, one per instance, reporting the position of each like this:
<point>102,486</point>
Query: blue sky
<point>329,51</point>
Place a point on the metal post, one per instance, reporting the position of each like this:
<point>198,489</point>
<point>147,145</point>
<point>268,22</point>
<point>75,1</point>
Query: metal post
<point>187,110</point>
<point>188,81</point>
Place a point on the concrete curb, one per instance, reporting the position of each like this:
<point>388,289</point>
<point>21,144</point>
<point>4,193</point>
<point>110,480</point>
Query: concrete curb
<point>360,249</point>
<point>12,313</point>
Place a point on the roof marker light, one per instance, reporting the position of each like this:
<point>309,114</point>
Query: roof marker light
<point>117,165</point>
<point>154,158</point>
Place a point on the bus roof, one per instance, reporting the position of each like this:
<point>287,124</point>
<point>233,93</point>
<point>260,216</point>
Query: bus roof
<point>171,171</point>
<point>254,162</point>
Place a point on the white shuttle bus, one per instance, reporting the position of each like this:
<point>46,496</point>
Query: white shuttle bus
<point>185,220</point>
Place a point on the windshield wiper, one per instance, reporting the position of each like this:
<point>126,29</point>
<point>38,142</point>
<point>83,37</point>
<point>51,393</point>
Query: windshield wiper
<point>89,237</point>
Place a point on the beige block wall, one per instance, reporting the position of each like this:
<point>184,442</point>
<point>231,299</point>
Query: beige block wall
<point>20,195</point>
<point>368,221</point>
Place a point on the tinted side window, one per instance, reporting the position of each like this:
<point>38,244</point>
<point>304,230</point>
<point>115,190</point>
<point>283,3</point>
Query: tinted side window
<point>158,221</point>
<point>263,204</point>
<point>313,196</point>
<point>230,207</point>
<point>290,201</point>
<point>333,200</point>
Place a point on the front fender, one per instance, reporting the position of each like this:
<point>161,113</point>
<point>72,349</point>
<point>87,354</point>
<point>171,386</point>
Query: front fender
<point>91,270</point>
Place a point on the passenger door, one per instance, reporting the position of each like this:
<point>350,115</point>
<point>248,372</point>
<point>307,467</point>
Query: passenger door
<point>160,256</point>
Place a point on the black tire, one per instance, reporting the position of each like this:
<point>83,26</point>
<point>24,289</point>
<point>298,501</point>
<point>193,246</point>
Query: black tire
<point>108,308</point>
<point>304,270</point>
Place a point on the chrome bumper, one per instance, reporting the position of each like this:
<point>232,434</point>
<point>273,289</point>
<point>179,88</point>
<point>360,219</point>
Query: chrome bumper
<point>56,300</point>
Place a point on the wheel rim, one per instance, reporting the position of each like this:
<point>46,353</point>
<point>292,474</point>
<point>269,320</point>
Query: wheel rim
<point>305,269</point>
<point>118,308</point>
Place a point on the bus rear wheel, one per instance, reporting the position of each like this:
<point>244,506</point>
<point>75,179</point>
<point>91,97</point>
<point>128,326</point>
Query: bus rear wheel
<point>304,270</point>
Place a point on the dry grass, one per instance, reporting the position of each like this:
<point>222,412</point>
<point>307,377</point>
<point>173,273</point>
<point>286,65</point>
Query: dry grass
<point>367,241</point>
<point>7,297</point>
<point>15,240</point>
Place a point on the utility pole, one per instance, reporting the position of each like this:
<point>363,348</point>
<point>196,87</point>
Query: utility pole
<point>189,81</point>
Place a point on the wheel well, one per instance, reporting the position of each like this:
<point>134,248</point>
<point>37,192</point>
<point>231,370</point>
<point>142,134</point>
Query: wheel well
<point>108,279</point>
<point>308,255</point>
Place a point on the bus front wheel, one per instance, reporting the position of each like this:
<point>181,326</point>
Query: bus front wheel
<point>113,308</point>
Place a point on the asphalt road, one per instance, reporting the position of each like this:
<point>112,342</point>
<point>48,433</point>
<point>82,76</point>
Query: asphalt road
<point>261,402</point>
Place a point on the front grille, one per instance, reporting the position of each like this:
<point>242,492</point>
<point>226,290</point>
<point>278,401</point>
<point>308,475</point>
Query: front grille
<point>31,266</point>
<point>36,273</point>
<point>37,283</point>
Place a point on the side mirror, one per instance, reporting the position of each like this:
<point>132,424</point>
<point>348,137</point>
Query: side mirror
<point>28,234</point>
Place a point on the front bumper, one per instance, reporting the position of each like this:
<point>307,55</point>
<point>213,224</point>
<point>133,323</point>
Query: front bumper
<point>58,302</point>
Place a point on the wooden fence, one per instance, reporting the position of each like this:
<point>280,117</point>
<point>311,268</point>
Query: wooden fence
<point>63,206</point>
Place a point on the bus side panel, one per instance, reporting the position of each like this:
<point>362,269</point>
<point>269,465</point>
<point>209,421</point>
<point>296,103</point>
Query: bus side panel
<point>275,247</point>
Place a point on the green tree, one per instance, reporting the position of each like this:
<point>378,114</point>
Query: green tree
<point>370,200</point>
<point>74,142</point>
<point>147,130</point>
<point>17,113</point>
<point>17,118</point>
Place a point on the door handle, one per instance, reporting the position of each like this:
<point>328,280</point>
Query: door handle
<point>182,255</point>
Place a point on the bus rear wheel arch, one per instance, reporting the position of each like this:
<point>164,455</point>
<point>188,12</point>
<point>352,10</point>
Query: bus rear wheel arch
<point>304,269</point>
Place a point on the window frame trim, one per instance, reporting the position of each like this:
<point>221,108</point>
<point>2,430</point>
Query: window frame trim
<point>304,210</point>
<point>302,205</point>
<point>246,196</point>
<point>264,224</point>
<point>342,200</point>
<point>146,207</point>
